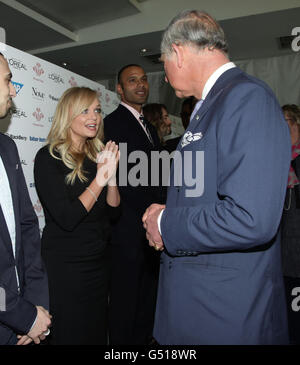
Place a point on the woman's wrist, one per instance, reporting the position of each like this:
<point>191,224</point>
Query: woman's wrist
<point>92,193</point>
<point>100,179</point>
<point>112,181</point>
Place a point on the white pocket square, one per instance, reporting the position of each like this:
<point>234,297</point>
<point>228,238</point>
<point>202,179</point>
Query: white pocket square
<point>189,137</point>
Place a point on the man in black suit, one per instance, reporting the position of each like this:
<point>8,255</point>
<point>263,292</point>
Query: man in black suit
<point>23,280</point>
<point>134,266</point>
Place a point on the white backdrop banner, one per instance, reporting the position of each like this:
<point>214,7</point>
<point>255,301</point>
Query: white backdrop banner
<point>39,85</point>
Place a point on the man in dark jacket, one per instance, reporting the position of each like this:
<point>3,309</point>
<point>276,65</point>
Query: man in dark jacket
<point>135,267</point>
<point>23,280</point>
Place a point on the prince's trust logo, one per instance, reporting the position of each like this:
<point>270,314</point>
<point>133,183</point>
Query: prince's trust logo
<point>38,114</point>
<point>38,69</point>
<point>73,82</point>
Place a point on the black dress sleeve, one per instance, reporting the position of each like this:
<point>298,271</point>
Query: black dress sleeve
<point>114,212</point>
<point>53,192</point>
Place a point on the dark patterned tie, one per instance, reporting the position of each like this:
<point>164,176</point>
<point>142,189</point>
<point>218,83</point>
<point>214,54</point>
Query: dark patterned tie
<point>142,119</point>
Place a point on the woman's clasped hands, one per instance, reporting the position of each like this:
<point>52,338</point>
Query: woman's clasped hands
<point>107,164</point>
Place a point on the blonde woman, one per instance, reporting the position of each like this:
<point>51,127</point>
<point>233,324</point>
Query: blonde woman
<point>79,197</point>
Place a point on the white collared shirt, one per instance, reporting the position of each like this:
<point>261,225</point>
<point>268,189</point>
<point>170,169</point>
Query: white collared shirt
<point>210,83</point>
<point>214,77</point>
<point>8,209</point>
<point>7,205</point>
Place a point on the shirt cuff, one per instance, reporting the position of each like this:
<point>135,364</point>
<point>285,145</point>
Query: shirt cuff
<point>158,220</point>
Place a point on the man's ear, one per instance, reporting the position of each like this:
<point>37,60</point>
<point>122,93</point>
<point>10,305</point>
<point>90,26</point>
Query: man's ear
<point>179,54</point>
<point>119,89</point>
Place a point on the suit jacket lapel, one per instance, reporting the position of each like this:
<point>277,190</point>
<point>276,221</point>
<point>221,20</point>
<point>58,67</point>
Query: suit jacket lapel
<point>10,167</point>
<point>132,120</point>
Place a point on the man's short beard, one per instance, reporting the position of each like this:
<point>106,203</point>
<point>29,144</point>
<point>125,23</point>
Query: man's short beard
<point>2,116</point>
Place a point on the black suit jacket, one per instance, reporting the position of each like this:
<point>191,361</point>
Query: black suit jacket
<point>20,311</point>
<point>134,263</point>
<point>171,144</point>
<point>122,127</point>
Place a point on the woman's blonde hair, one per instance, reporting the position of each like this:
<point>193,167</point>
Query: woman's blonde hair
<point>70,105</point>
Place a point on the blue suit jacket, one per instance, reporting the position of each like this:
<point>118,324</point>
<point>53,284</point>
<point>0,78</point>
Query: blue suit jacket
<point>20,311</point>
<point>221,279</point>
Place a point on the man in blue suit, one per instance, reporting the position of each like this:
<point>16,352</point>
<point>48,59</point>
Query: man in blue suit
<point>23,280</point>
<point>220,275</point>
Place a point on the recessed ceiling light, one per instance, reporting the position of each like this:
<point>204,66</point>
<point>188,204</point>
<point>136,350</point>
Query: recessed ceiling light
<point>143,50</point>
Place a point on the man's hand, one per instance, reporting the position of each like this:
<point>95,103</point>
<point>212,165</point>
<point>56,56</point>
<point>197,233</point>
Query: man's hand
<point>43,321</point>
<point>24,340</point>
<point>150,224</point>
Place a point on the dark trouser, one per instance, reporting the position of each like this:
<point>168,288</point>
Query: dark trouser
<point>133,294</point>
<point>293,315</point>
<point>13,340</point>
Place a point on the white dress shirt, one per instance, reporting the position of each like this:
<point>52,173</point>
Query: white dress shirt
<point>8,209</point>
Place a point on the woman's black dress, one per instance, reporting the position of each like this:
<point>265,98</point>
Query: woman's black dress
<point>75,251</point>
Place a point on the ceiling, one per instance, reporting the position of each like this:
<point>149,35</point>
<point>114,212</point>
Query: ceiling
<point>95,38</point>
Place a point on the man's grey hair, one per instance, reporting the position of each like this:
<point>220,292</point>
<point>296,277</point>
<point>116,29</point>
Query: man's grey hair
<point>195,28</point>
